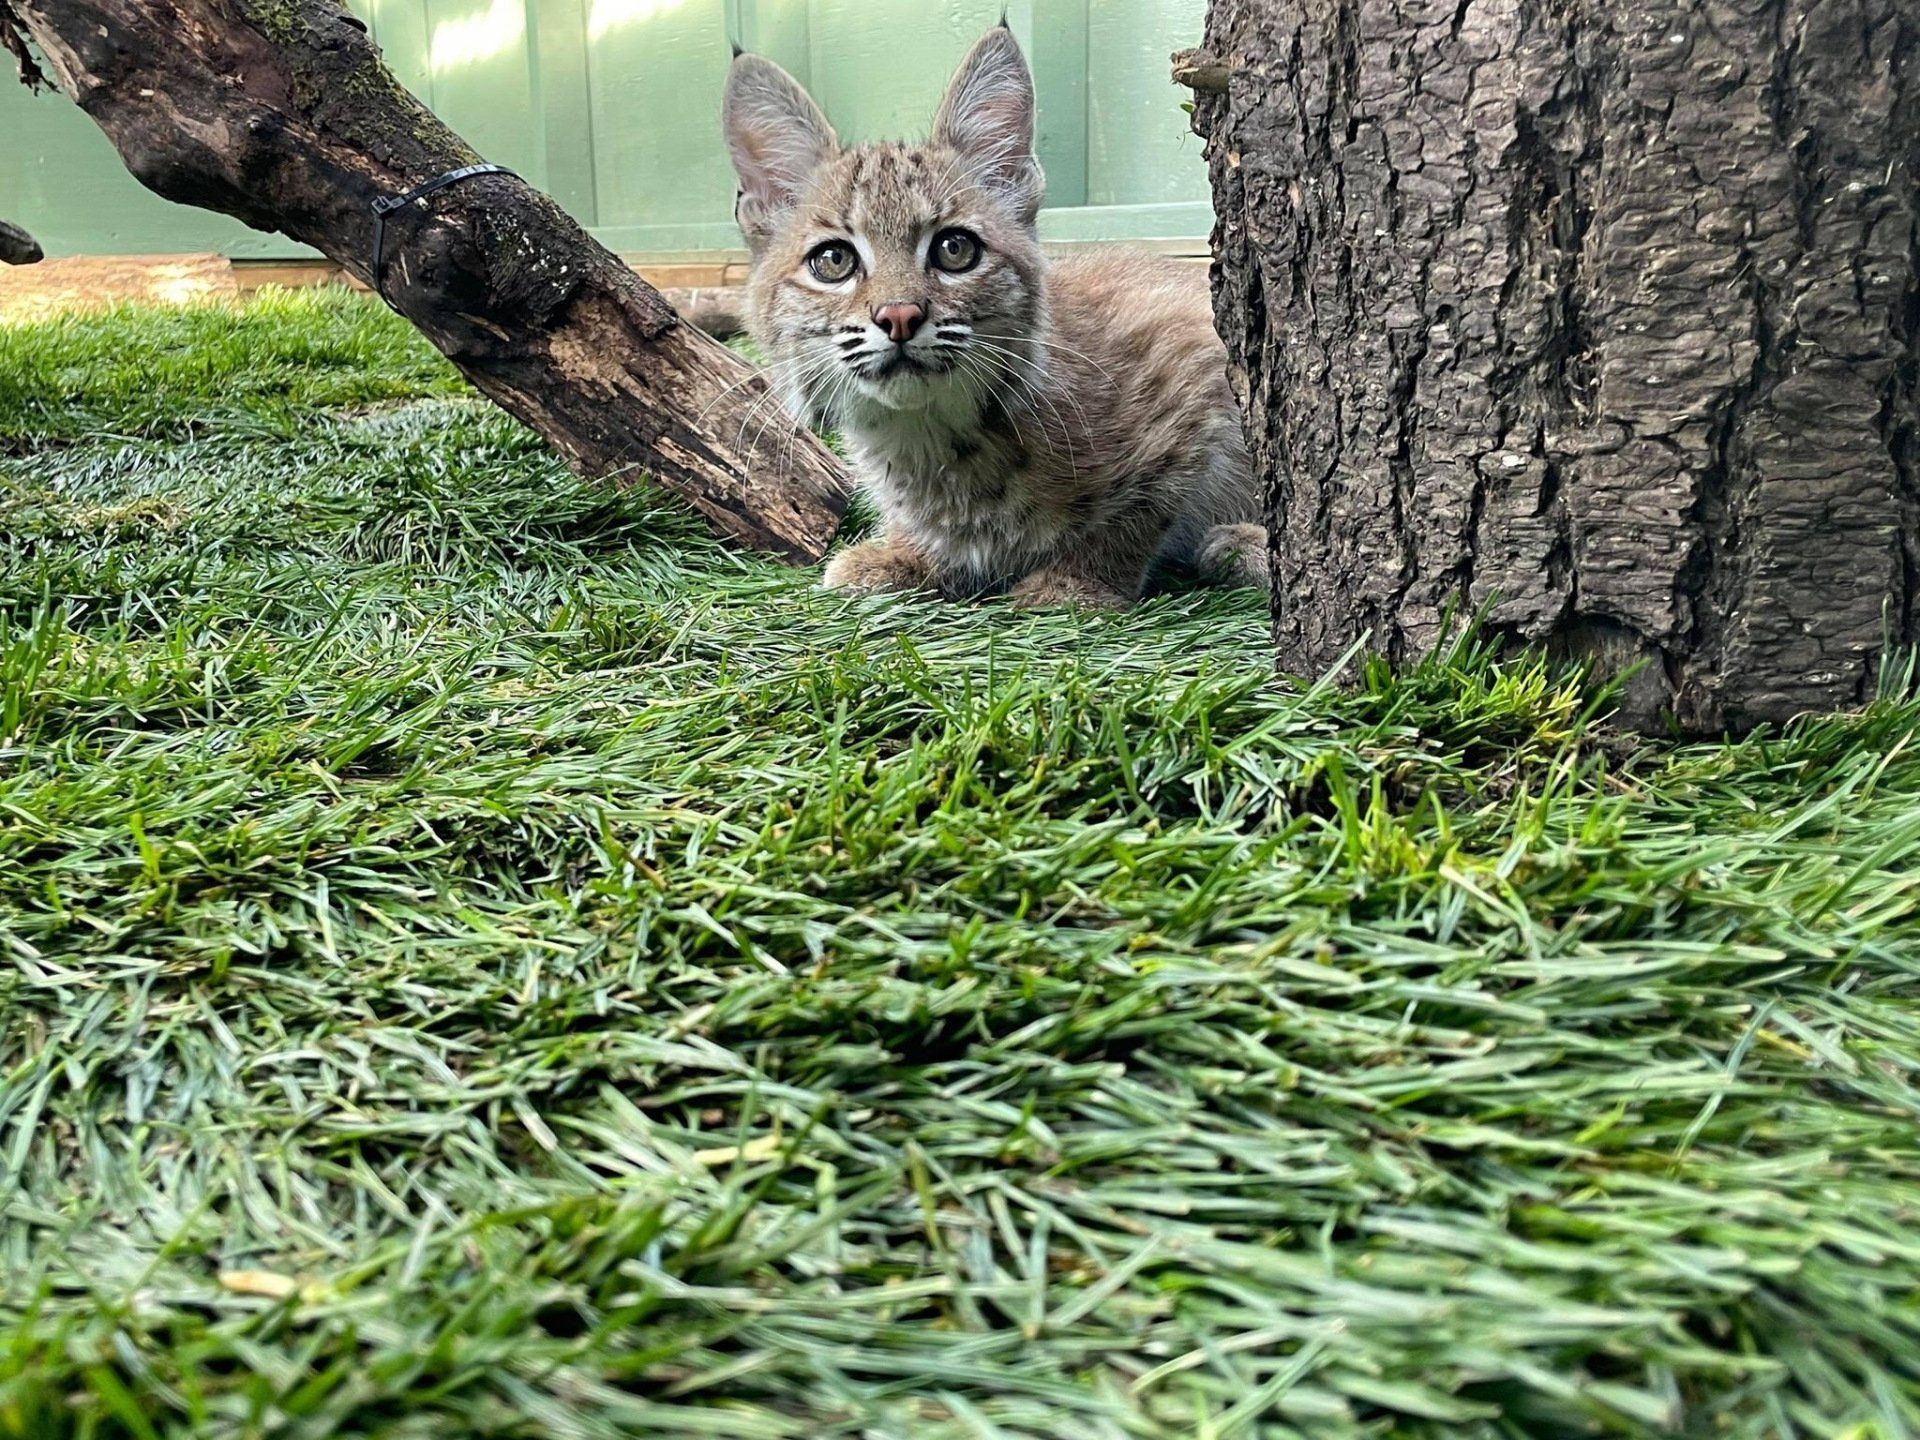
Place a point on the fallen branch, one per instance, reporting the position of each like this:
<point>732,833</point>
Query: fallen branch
<point>280,112</point>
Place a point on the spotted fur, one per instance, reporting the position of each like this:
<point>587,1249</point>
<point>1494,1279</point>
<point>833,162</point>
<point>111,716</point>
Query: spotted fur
<point>1054,430</point>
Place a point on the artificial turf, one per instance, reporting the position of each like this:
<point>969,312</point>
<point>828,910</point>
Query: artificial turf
<point>481,959</point>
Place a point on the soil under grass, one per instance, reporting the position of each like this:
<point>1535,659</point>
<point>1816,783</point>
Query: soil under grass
<point>481,960</point>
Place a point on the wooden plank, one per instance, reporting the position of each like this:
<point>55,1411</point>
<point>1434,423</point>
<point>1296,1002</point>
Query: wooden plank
<point>703,287</point>
<point>715,272</point>
<point>683,275</point>
<point>252,275</point>
<point>1182,221</point>
<point>55,287</point>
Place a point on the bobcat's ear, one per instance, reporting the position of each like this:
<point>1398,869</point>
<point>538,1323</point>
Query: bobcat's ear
<point>777,138</point>
<point>988,117</point>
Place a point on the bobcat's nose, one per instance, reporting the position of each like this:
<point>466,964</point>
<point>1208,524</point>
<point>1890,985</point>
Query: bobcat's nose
<point>901,320</point>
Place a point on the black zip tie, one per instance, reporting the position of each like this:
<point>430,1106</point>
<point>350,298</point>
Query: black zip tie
<point>385,205</point>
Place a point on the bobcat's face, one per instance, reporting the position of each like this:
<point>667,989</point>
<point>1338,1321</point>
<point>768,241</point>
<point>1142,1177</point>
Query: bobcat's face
<point>903,277</point>
<point>896,278</point>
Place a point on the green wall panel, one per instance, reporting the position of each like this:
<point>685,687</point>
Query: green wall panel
<point>61,179</point>
<point>878,70</point>
<point>401,29</point>
<point>612,105</point>
<point>479,65</point>
<point>656,151</point>
<point>1140,148</point>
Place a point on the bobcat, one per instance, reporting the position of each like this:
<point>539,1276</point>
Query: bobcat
<point>1055,431</point>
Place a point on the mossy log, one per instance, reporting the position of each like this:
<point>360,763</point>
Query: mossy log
<point>280,113</point>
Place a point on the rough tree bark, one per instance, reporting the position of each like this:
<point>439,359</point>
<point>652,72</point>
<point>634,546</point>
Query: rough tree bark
<point>1601,316</point>
<point>279,112</point>
<point>17,247</point>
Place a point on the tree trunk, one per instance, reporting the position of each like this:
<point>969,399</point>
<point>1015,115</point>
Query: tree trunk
<point>279,112</point>
<point>17,247</point>
<point>1599,317</point>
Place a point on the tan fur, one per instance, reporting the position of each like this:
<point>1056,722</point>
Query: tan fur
<point>1054,430</point>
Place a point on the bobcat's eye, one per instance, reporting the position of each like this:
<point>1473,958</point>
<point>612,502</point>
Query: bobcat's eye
<point>832,261</point>
<point>956,251</point>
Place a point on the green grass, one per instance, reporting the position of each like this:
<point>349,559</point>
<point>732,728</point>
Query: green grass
<point>482,960</point>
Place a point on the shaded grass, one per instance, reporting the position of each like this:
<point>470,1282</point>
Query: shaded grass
<point>482,960</point>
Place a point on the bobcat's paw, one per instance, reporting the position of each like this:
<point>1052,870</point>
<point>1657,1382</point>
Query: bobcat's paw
<point>873,566</point>
<point>1234,555</point>
<point>1057,587</point>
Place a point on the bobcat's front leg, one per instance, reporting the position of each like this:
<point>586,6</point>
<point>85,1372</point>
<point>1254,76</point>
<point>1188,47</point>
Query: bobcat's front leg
<point>889,563</point>
<point>1063,586</point>
<point>1105,570</point>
